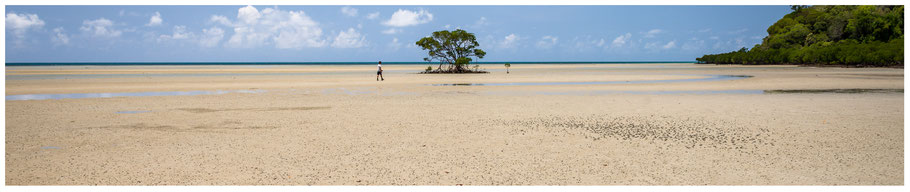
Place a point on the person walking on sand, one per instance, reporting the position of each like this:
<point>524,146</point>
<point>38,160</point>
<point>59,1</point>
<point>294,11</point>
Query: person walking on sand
<point>379,73</point>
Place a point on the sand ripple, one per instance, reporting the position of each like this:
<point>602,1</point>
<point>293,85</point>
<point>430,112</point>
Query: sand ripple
<point>689,132</point>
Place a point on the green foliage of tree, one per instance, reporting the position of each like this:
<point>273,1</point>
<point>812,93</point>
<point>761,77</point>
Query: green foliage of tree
<point>781,25</point>
<point>454,49</point>
<point>842,35</point>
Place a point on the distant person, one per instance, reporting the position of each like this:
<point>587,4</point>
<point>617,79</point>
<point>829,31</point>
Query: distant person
<point>379,73</point>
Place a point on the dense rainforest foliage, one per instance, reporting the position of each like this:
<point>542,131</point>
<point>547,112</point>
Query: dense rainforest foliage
<point>839,35</point>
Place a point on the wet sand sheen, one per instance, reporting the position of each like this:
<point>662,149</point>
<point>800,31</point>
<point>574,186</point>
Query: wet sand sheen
<point>710,78</point>
<point>361,92</point>
<point>132,94</point>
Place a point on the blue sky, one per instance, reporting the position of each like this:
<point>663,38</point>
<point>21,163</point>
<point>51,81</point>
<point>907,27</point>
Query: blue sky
<point>370,33</point>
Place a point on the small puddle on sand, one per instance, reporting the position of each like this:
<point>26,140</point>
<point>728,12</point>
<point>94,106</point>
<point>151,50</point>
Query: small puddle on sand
<point>711,78</point>
<point>702,92</point>
<point>696,92</point>
<point>131,112</point>
<point>365,91</point>
<point>791,91</point>
<point>604,92</point>
<point>130,94</point>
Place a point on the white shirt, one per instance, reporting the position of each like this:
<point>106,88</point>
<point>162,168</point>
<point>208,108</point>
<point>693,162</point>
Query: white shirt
<point>380,67</point>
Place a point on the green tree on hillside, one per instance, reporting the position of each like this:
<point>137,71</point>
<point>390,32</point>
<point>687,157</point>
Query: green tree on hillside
<point>843,35</point>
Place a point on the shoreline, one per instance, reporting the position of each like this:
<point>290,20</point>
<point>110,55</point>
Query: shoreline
<point>815,65</point>
<point>110,79</point>
<point>321,63</point>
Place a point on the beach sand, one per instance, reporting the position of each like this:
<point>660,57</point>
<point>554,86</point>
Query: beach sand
<point>336,125</point>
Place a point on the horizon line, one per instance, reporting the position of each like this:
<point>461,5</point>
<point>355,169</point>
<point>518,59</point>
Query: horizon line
<point>318,62</point>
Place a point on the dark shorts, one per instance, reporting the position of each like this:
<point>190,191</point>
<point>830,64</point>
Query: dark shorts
<point>378,72</point>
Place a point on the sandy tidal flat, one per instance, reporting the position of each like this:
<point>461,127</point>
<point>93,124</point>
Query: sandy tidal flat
<point>336,125</point>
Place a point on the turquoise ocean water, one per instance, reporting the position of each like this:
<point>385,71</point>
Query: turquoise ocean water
<point>324,63</point>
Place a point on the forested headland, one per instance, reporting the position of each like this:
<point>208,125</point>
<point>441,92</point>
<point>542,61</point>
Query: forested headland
<point>836,35</point>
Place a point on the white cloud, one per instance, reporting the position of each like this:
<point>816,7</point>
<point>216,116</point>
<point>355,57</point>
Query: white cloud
<point>705,30</point>
<point>349,39</point>
<point>621,40</point>
<point>155,20</point>
<point>352,12</point>
<point>298,31</point>
<point>249,14</point>
<point>447,26</point>
<point>250,37</point>
<point>670,45</point>
<point>128,13</point>
<point>547,41</point>
<point>395,45</point>
<point>20,23</point>
<point>211,37</point>
<point>653,32</point>
<point>391,31</point>
<point>481,22</point>
<point>587,42</point>
<point>284,29</point>
<point>404,18</point>
<point>100,28</point>
<point>655,45</point>
<point>372,16</point>
<point>651,45</point>
<point>60,37</point>
<point>509,41</point>
<point>220,20</point>
<point>179,33</point>
<point>714,37</point>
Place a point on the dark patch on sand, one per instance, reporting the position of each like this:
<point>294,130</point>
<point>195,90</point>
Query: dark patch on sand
<point>834,91</point>
<point>226,125</point>
<point>209,110</point>
<point>863,76</point>
<point>458,84</point>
